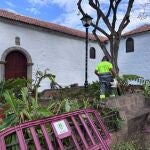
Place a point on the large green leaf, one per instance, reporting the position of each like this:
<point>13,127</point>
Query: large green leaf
<point>11,101</point>
<point>8,121</point>
<point>67,106</point>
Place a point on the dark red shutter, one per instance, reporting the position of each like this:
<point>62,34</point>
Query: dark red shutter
<point>16,65</point>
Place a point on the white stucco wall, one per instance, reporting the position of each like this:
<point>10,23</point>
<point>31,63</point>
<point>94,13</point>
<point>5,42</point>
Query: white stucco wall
<point>63,55</point>
<point>137,62</point>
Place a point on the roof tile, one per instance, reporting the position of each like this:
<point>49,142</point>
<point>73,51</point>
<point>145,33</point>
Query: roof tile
<point>48,25</point>
<point>140,29</point>
<point>62,29</point>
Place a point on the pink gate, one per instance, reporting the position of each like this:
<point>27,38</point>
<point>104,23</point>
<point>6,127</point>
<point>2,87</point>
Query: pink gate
<point>81,130</point>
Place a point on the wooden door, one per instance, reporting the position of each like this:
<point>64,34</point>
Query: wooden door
<point>16,65</point>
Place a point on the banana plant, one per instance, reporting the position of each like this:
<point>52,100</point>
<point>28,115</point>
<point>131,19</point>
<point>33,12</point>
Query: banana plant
<point>22,109</point>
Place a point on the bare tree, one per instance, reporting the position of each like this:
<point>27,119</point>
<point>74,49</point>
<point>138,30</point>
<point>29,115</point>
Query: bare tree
<point>143,14</point>
<point>109,18</point>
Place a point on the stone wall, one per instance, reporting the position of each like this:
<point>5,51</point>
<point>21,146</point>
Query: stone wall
<point>133,111</point>
<point>130,105</point>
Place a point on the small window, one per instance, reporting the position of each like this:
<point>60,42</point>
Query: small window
<point>129,45</point>
<point>92,53</point>
<point>17,40</point>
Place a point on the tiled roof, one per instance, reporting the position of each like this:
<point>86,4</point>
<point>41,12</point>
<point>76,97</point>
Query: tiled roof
<point>62,29</point>
<point>43,24</point>
<point>140,29</point>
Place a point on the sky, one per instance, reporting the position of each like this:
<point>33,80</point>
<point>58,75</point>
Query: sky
<point>65,12</point>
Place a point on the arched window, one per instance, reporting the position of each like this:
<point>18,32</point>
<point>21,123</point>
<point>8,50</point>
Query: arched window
<point>17,40</point>
<point>129,45</point>
<point>92,53</point>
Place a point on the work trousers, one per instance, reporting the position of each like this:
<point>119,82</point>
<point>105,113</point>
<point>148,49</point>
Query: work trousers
<point>105,85</point>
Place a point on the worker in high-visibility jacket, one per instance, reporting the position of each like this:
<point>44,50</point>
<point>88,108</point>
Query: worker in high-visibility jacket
<point>104,70</point>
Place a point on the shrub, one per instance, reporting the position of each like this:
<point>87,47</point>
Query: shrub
<point>125,146</point>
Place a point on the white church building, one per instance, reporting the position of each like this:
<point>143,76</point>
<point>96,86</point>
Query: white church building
<point>134,52</point>
<point>28,45</point>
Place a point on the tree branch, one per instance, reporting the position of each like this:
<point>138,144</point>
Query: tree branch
<point>99,12</point>
<point>99,29</point>
<point>115,13</point>
<point>126,23</point>
<point>109,10</point>
<point>101,44</point>
<point>80,8</point>
<point>126,20</point>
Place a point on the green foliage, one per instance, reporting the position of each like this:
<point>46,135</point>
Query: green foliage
<point>125,146</point>
<point>39,76</point>
<point>2,83</point>
<point>71,93</point>
<point>112,118</point>
<point>93,90</point>
<point>67,105</point>
<point>125,79</point>
<point>147,89</point>
<point>86,103</point>
<point>12,85</point>
<point>124,83</point>
<point>22,109</point>
<point>21,106</point>
<point>71,105</point>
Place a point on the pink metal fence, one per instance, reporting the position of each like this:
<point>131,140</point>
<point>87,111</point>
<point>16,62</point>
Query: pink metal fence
<point>81,130</point>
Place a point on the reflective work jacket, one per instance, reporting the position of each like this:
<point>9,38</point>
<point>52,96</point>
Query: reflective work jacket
<point>104,67</point>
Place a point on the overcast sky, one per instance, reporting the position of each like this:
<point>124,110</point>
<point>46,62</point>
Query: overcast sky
<point>65,12</point>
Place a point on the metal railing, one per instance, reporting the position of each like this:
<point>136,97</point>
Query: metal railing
<point>81,129</point>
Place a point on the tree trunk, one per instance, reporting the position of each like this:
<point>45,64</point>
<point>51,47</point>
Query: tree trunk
<point>114,47</point>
